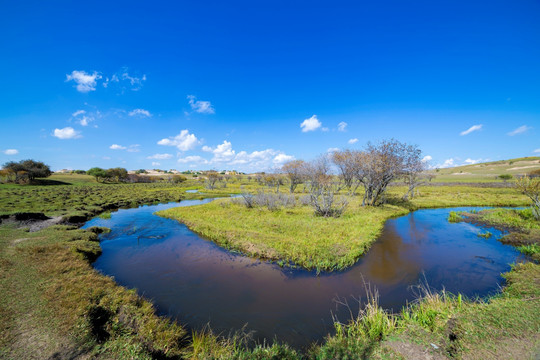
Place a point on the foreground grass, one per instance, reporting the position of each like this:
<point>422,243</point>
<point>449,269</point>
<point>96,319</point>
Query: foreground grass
<point>294,235</point>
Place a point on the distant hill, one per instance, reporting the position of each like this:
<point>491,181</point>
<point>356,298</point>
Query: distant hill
<point>488,171</point>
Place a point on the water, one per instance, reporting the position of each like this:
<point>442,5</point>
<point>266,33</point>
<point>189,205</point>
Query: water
<point>196,282</point>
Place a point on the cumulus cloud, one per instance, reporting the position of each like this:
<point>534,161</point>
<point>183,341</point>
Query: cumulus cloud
<point>183,141</point>
<point>134,148</point>
<point>353,141</point>
<point>342,126</point>
<point>84,82</point>
<point>281,159</point>
<point>310,124</point>
<point>331,150</point>
<point>160,156</point>
<point>224,154</point>
<point>140,112</point>
<point>471,129</point>
<point>193,160</point>
<point>203,107</point>
<point>470,161</point>
<point>67,133</point>
<point>447,163</point>
<point>520,130</point>
<point>427,158</point>
<point>11,151</point>
<point>117,147</point>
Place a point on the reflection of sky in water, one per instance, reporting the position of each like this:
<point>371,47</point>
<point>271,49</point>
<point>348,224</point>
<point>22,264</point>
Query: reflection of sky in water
<point>197,282</point>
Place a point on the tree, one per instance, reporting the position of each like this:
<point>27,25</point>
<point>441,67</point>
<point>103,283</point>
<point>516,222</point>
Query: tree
<point>531,188</point>
<point>323,190</point>
<point>382,163</point>
<point>348,164</point>
<point>117,174</point>
<point>97,172</point>
<point>413,167</point>
<point>505,177</point>
<point>296,171</point>
<point>211,178</point>
<point>28,170</point>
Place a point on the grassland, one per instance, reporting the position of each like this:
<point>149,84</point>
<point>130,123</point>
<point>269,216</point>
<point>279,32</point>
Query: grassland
<point>53,304</point>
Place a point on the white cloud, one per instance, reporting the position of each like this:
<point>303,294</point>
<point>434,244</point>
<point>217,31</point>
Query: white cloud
<point>160,156</point>
<point>310,124</point>
<point>85,82</point>
<point>106,158</point>
<point>134,148</point>
<point>139,112</point>
<point>193,159</point>
<point>331,150</point>
<point>11,151</point>
<point>520,130</point>
<point>282,158</point>
<point>536,151</point>
<point>78,112</point>
<point>183,141</point>
<point>256,160</point>
<point>471,129</point>
<point>117,147</point>
<point>447,163</point>
<point>353,141</point>
<point>427,158</point>
<point>67,133</point>
<point>203,107</point>
<point>342,126</point>
<point>472,161</point>
<point>155,163</point>
<point>123,77</point>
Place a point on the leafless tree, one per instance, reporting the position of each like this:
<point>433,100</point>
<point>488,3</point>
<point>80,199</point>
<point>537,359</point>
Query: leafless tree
<point>296,171</point>
<point>348,165</point>
<point>382,163</point>
<point>211,178</point>
<point>323,189</point>
<point>413,167</point>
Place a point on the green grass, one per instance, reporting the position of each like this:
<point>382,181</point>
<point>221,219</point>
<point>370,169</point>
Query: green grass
<point>293,235</point>
<point>53,301</point>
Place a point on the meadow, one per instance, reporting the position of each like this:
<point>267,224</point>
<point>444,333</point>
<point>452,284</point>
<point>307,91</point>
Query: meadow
<point>54,304</point>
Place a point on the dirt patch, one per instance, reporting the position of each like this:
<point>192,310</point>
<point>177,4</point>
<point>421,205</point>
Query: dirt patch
<point>33,224</point>
<point>507,349</point>
<point>414,351</point>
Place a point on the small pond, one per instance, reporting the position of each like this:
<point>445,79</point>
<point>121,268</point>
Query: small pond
<point>196,282</point>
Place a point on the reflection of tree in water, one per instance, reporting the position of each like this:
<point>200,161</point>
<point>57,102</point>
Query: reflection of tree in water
<point>418,231</point>
<point>390,260</point>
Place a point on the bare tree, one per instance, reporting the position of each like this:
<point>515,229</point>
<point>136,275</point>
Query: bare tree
<point>296,171</point>
<point>531,187</point>
<point>323,190</point>
<point>211,178</point>
<point>413,167</point>
<point>380,164</point>
<point>348,164</point>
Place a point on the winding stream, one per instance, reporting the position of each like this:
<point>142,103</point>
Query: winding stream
<point>196,282</point>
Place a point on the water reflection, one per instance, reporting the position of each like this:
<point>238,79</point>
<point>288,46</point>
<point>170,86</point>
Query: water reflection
<point>196,282</point>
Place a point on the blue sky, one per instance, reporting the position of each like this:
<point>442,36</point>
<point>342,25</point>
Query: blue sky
<point>249,85</point>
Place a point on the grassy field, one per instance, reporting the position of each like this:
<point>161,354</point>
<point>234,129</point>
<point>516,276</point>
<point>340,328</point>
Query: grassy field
<point>487,172</point>
<point>53,304</point>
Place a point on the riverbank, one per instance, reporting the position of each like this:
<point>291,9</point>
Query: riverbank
<point>291,234</point>
<point>53,304</point>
